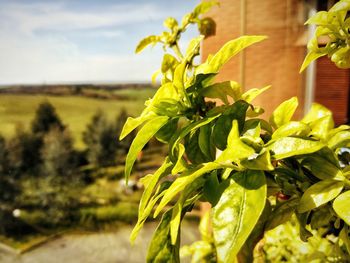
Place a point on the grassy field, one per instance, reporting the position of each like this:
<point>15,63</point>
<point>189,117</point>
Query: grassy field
<point>75,111</point>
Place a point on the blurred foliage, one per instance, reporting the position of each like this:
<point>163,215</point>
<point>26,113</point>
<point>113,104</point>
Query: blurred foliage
<point>47,184</point>
<point>283,244</point>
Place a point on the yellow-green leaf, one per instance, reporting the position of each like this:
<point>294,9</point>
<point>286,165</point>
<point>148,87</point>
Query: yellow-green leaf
<point>343,5</point>
<point>143,136</point>
<point>319,194</point>
<point>291,146</point>
<point>284,112</point>
<point>311,56</point>
<point>222,90</point>
<point>230,49</point>
<point>322,168</point>
<point>160,248</point>
<point>237,212</point>
<point>341,206</point>
<point>262,161</point>
<point>132,123</point>
<point>340,139</point>
<point>236,149</point>
<point>145,42</point>
<point>251,94</point>
<point>204,7</point>
<point>293,128</point>
<point>316,112</point>
<point>170,23</point>
<point>181,182</point>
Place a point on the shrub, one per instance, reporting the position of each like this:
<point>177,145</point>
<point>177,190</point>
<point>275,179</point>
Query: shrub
<point>255,173</point>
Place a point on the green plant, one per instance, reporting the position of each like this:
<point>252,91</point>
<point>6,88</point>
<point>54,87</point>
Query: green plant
<point>334,26</point>
<point>255,173</point>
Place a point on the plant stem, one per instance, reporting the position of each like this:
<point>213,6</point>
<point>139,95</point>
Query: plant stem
<point>177,51</point>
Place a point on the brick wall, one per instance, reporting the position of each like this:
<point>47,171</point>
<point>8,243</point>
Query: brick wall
<point>332,89</point>
<point>275,61</point>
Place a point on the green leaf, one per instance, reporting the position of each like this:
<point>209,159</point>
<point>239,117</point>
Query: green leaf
<point>341,206</point>
<point>293,128</point>
<point>262,161</point>
<point>146,211</point>
<point>345,237</point>
<point>251,94</point>
<point>320,120</point>
<point>162,171</point>
<point>311,56</point>
<point>213,189</point>
<point>230,49</point>
<point>343,5</point>
<point>170,23</point>
<point>132,123</point>
<point>169,63</point>
<point>165,92</point>
<point>340,128</point>
<point>143,136</point>
<point>223,125</point>
<point>252,138</point>
<point>236,150</point>
<point>179,74</point>
<point>178,207</point>
<point>205,142</point>
<point>281,213</point>
<point>191,127</point>
<point>303,232</point>
<point>185,179</point>
<point>321,217</point>
<point>222,90</point>
<point>193,48</point>
<point>180,164</point>
<point>222,128</point>
<point>145,42</point>
<point>340,139</point>
<point>237,212</point>
<point>253,123</point>
<point>248,251</point>
<point>204,7</point>
<point>161,249</point>
<point>316,112</point>
<point>319,194</point>
<point>290,146</point>
<point>168,130</point>
<point>322,168</point>
<point>320,18</point>
<point>193,150</point>
<point>284,112</point>
<point>321,127</point>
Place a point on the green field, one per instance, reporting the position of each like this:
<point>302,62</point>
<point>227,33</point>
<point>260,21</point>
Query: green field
<point>18,110</point>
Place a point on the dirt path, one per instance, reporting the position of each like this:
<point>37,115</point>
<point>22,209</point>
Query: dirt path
<point>112,247</point>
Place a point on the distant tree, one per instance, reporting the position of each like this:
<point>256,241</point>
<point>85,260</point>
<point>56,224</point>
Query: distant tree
<point>100,140</point>
<point>7,184</point>
<point>3,154</point>
<point>45,119</point>
<point>9,190</point>
<point>24,153</point>
<point>58,156</point>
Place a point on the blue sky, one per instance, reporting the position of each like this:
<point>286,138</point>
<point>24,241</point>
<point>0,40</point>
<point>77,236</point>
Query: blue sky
<point>82,40</point>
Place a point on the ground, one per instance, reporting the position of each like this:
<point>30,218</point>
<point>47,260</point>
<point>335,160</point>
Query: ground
<point>107,247</point>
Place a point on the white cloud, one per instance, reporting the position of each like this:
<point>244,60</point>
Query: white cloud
<point>27,56</point>
<point>54,16</point>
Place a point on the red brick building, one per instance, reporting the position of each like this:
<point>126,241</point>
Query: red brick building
<point>277,61</point>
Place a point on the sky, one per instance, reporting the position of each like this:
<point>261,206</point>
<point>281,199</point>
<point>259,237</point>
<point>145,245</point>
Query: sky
<point>82,41</point>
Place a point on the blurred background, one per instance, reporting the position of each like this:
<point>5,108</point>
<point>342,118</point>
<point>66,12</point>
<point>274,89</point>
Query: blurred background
<point>69,79</point>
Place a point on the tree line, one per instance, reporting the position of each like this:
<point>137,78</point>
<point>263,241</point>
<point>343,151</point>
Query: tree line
<point>40,168</point>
